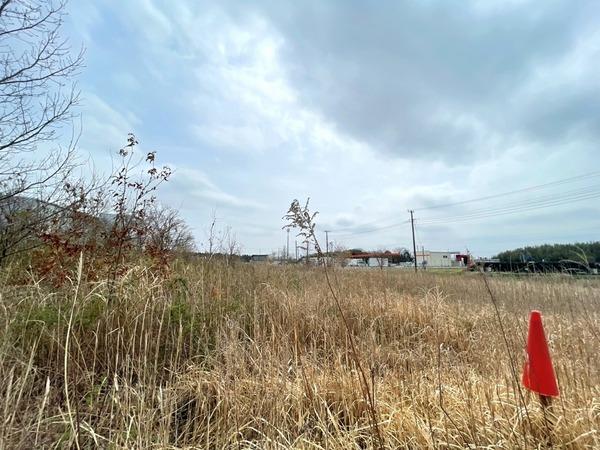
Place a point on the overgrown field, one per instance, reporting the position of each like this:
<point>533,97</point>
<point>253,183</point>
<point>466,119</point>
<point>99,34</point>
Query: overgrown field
<point>245,356</point>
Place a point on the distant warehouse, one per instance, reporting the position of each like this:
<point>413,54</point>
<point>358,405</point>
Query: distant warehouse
<point>448,259</point>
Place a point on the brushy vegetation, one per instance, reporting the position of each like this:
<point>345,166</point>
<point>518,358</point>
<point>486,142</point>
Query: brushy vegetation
<point>582,252</point>
<point>218,355</point>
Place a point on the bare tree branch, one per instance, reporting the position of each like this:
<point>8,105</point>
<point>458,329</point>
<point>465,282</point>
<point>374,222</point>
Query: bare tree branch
<point>37,94</point>
<point>37,99</point>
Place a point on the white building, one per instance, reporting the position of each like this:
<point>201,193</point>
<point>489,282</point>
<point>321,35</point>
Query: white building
<point>432,259</point>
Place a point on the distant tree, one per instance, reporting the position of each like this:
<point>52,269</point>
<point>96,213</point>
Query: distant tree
<point>167,232</point>
<point>588,251</point>
<point>230,246</point>
<point>405,255</point>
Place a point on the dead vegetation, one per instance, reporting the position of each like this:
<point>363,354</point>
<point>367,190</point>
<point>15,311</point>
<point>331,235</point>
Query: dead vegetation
<point>239,356</point>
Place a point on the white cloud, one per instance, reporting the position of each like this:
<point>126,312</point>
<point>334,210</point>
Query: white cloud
<point>104,129</point>
<point>198,187</point>
<point>264,104</point>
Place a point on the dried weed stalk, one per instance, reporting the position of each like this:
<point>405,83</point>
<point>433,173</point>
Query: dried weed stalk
<point>302,219</point>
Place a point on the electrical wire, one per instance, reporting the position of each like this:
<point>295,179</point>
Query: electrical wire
<point>514,208</point>
<point>517,191</point>
<point>483,213</point>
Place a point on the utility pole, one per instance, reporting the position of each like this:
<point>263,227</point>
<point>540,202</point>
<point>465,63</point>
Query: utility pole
<point>307,251</point>
<point>287,248</point>
<point>412,225</point>
<point>327,246</point>
<point>296,244</point>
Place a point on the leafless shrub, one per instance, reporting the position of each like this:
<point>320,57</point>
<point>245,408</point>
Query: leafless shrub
<point>132,193</point>
<point>167,231</point>
<point>114,222</point>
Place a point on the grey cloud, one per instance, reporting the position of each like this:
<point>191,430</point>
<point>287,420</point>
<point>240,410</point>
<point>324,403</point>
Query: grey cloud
<point>258,103</point>
<point>430,79</point>
<point>564,113</point>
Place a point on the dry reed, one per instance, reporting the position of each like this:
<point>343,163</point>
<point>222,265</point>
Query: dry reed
<point>222,356</point>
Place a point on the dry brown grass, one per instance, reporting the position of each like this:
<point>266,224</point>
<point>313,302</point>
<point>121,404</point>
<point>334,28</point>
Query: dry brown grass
<point>257,357</point>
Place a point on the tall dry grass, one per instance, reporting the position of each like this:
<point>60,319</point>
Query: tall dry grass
<point>222,356</point>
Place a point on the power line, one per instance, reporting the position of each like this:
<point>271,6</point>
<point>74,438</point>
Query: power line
<point>517,191</point>
<point>576,193</point>
<point>540,202</point>
<point>589,192</point>
<point>515,208</point>
<point>374,228</point>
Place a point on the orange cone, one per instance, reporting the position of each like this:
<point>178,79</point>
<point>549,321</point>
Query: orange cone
<point>538,373</point>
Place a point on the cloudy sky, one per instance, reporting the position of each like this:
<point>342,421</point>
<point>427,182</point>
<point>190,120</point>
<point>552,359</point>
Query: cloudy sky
<point>368,108</point>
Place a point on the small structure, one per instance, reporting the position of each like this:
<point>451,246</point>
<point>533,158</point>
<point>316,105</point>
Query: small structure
<point>259,258</point>
<point>432,259</point>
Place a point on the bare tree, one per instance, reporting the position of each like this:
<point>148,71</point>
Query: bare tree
<point>167,231</point>
<point>37,98</point>
<point>37,94</point>
<point>212,235</point>
<point>230,247</point>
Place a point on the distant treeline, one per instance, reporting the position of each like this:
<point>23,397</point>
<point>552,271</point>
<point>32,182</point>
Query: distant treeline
<point>579,252</point>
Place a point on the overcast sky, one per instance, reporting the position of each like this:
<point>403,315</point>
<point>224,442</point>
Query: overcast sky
<point>368,108</point>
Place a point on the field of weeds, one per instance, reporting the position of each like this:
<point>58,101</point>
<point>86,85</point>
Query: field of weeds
<point>245,356</point>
